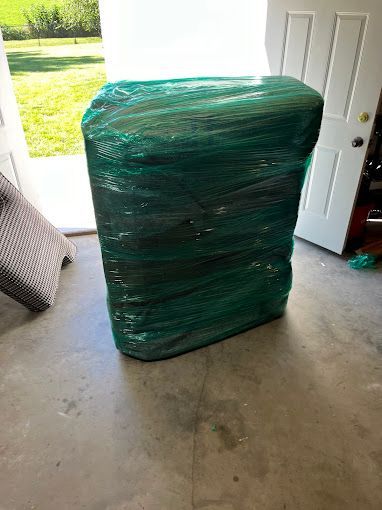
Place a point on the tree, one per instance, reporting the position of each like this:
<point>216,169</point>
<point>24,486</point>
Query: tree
<point>44,21</point>
<point>81,16</point>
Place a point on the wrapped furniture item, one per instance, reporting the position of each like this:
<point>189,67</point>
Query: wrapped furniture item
<point>196,185</point>
<point>32,251</point>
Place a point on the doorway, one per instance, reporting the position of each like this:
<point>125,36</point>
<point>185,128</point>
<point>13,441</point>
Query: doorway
<point>335,50</point>
<point>55,73</point>
<point>365,232</point>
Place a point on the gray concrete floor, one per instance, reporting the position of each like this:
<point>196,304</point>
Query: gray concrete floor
<point>296,403</point>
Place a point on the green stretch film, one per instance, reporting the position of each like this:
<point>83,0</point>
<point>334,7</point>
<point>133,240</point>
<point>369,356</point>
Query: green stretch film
<point>196,184</point>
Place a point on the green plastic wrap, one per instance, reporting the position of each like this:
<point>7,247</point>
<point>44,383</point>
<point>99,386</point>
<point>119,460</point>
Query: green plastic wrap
<point>196,185</point>
<point>363,261</point>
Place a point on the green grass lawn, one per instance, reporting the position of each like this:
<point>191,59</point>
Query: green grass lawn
<point>11,10</point>
<point>53,86</point>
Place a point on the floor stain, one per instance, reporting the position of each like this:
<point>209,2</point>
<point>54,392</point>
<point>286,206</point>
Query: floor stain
<point>361,430</point>
<point>227,437</point>
<point>72,404</point>
<point>377,458</point>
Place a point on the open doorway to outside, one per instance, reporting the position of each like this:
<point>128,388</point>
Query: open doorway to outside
<point>54,52</point>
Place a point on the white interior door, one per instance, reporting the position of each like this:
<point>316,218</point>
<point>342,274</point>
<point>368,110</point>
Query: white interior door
<point>13,148</point>
<point>335,47</point>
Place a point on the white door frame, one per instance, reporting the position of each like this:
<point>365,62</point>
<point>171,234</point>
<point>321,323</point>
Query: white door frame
<point>14,156</point>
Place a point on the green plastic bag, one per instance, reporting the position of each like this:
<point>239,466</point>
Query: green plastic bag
<point>196,185</point>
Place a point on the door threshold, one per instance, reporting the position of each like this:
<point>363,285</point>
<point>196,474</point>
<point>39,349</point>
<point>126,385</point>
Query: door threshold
<point>71,232</point>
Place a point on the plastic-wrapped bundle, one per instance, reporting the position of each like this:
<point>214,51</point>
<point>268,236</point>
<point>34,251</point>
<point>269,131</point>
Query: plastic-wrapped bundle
<point>196,185</point>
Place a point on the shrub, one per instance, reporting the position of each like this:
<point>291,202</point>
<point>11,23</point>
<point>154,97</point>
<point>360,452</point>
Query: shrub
<point>15,33</point>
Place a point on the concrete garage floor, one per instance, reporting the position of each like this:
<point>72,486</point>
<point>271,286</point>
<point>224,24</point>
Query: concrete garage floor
<point>296,403</point>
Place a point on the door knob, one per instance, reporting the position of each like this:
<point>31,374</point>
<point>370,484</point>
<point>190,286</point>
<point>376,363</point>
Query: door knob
<point>357,141</point>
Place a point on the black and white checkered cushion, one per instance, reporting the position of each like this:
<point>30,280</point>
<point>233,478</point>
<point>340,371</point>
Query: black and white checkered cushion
<point>32,251</point>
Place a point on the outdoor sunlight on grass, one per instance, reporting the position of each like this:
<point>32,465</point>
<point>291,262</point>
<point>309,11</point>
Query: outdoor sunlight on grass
<point>53,85</point>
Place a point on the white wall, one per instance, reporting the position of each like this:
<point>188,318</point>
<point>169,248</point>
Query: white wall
<point>154,39</point>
